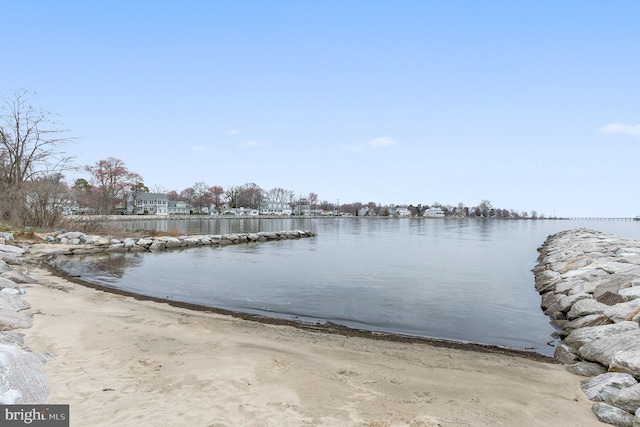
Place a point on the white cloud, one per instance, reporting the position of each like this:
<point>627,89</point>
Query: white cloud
<point>199,148</point>
<point>382,141</point>
<point>250,144</point>
<point>625,129</point>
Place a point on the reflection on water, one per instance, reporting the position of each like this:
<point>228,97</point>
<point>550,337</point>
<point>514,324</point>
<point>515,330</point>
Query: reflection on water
<point>466,280</point>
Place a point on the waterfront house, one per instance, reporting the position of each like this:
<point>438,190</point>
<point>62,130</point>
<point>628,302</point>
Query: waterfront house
<point>436,212</point>
<point>177,207</point>
<point>147,203</point>
<point>275,208</point>
<point>402,212</point>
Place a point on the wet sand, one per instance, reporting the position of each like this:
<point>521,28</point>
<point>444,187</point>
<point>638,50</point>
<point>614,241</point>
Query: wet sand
<point>129,362</point>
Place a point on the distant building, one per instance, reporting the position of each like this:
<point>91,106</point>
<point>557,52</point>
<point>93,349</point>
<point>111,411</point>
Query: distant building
<point>177,207</point>
<point>434,213</point>
<point>147,203</point>
<point>402,212</point>
<point>302,210</point>
<point>275,208</point>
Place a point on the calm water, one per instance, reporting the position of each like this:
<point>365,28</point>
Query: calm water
<point>465,280</point>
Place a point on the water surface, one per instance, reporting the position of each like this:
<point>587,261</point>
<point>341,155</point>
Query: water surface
<point>465,280</point>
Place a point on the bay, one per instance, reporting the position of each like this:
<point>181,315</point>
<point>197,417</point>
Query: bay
<point>467,280</point>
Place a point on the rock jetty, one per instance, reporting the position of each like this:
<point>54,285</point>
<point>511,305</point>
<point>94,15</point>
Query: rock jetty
<point>590,287</point>
<point>74,242</point>
<point>21,380</point>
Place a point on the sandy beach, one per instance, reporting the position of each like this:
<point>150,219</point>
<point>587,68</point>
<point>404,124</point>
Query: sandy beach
<point>126,362</point>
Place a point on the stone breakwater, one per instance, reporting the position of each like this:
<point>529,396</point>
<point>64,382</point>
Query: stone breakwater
<point>21,379</point>
<point>79,243</point>
<point>590,287</point>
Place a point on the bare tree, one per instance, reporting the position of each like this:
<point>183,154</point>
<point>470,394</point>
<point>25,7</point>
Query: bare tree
<point>202,196</point>
<point>30,150</point>
<point>280,195</point>
<point>112,178</point>
<point>217,192</point>
<point>47,198</point>
<point>188,195</point>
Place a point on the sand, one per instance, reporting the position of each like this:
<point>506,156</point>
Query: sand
<point>125,362</point>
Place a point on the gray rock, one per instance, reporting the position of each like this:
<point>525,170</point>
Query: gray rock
<point>586,369</point>
<point>12,302</point>
<point>631,293</point>
<point>610,298</point>
<point>157,245</point>
<point>7,283</point>
<point>171,242</point>
<point>579,337</point>
<point>145,242</point>
<point>11,319</point>
<point>602,350</point>
<point>4,266</point>
<point>102,240</point>
<point>18,277</point>
<point>585,307</point>
<point>129,243</point>
<point>567,301</point>
<point>627,399</point>
<point>601,387</point>
<point>612,415</point>
<point>70,235</point>
<point>565,354</point>
<point>613,283</point>
<point>620,312</point>
<point>6,236</point>
<point>626,361</point>
<point>586,321</point>
<point>11,250</point>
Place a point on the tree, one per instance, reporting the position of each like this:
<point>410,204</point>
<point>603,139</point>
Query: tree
<point>30,150</point>
<point>173,195</point>
<point>112,179</point>
<point>280,195</point>
<point>313,200</point>
<point>485,208</point>
<point>202,197</point>
<point>217,192</point>
<point>47,198</point>
<point>188,195</point>
<point>248,195</point>
<point>30,143</point>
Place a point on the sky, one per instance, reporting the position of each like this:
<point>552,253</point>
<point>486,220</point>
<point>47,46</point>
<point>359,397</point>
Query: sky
<point>532,105</point>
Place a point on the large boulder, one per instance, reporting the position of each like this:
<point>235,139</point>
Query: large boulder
<point>11,250</point>
<point>18,277</point>
<point>627,398</point>
<point>11,319</point>
<point>586,369</point>
<point>600,388</point>
<point>585,307</point>
<point>626,361</point>
<point>611,415</point>
<point>604,349</point>
<point>581,336</point>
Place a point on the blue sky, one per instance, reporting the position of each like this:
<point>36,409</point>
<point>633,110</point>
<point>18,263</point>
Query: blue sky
<point>533,105</point>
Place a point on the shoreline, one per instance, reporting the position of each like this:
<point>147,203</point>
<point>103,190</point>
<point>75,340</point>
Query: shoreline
<point>327,327</point>
<point>128,361</point>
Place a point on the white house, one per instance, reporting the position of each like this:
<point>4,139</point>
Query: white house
<point>147,203</point>
<point>401,211</point>
<point>436,212</point>
<point>275,208</point>
<point>177,207</point>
